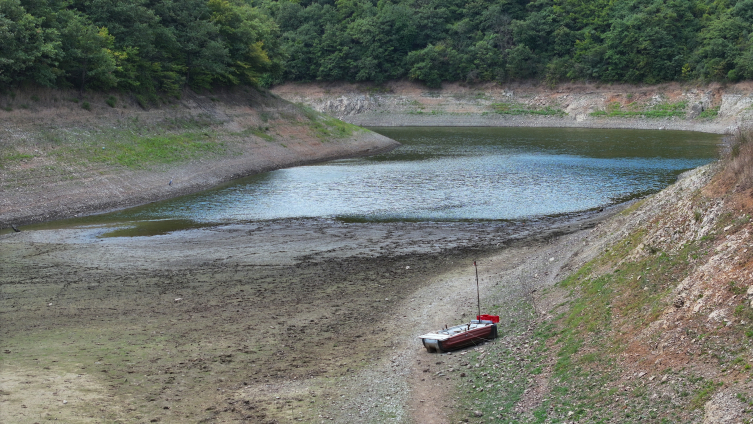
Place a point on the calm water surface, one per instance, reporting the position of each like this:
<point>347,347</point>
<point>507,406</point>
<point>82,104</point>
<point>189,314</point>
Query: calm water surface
<point>450,174</point>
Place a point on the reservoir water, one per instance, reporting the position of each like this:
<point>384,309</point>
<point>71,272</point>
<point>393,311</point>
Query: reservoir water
<point>452,174</point>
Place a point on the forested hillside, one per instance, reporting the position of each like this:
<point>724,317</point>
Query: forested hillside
<point>150,46</point>
<point>636,41</point>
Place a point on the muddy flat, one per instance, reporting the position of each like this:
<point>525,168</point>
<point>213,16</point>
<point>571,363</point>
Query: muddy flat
<point>280,321</point>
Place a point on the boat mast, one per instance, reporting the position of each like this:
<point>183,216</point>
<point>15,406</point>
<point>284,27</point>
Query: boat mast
<point>478,295</point>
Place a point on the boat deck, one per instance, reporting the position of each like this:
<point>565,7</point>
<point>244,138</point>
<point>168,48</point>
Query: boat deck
<point>455,330</point>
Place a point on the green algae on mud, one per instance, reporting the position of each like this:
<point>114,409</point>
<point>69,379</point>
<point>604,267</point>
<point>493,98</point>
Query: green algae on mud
<point>153,228</point>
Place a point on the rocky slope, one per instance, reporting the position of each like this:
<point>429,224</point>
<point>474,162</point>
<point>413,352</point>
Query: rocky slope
<point>712,108</point>
<point>63,154</point>
<point>650,321</point>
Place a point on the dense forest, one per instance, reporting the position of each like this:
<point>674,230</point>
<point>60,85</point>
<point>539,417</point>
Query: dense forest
<point>159,46</point>
<point>150,47</point>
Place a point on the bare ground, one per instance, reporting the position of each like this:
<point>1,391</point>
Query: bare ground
<point>280,322</point>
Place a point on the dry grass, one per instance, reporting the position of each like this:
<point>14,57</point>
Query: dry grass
<point>740,167</point>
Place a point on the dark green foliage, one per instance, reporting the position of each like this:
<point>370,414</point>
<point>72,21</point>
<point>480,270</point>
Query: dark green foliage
<point>87,59</point>
<point>149,47</point>
<point>28,50</point>
<point>156,47</point>
<point>636,41</point>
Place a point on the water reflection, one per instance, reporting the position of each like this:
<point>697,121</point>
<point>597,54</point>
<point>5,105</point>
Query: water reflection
<point>460,174</point>
<point>448,174</point>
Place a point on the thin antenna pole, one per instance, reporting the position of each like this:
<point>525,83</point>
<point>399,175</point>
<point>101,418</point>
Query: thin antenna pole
<point>478,295</point>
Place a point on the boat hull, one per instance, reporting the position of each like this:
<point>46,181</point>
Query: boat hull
<point>458,341</point>
<point>469,338</point>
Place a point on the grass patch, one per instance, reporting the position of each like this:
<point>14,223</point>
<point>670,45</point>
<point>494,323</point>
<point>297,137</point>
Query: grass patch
<point>703,394</point>
<point>12,156</point>
<point>522,109</point>
<point>130,142</point>
<point>181,124</point>
<point>339,129</point>
<point>140,152</point>
<point>711,113</point>
<point>632,110</point>
<point>326,127</point>
<point>260,132</point>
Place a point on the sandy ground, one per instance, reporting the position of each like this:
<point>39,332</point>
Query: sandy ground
<point>284,321</point>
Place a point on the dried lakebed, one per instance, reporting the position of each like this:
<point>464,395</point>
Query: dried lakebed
<point>273,322</point>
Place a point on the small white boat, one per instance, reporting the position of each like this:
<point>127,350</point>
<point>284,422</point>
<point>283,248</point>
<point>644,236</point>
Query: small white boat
<point>477,331</point>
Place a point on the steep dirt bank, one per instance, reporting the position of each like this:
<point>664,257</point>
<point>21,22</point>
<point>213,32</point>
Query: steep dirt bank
<point>64,155</point>
<point>712,108</point>
<point>649,322</point>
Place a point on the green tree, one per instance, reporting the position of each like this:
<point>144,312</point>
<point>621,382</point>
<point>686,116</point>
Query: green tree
<point>87,55</point>
<point>434,64</point>
<point>28,50</point>
<point>199,52</point>
<point>244,31</point>
<point>146,63</point>
<point>649,41</point>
